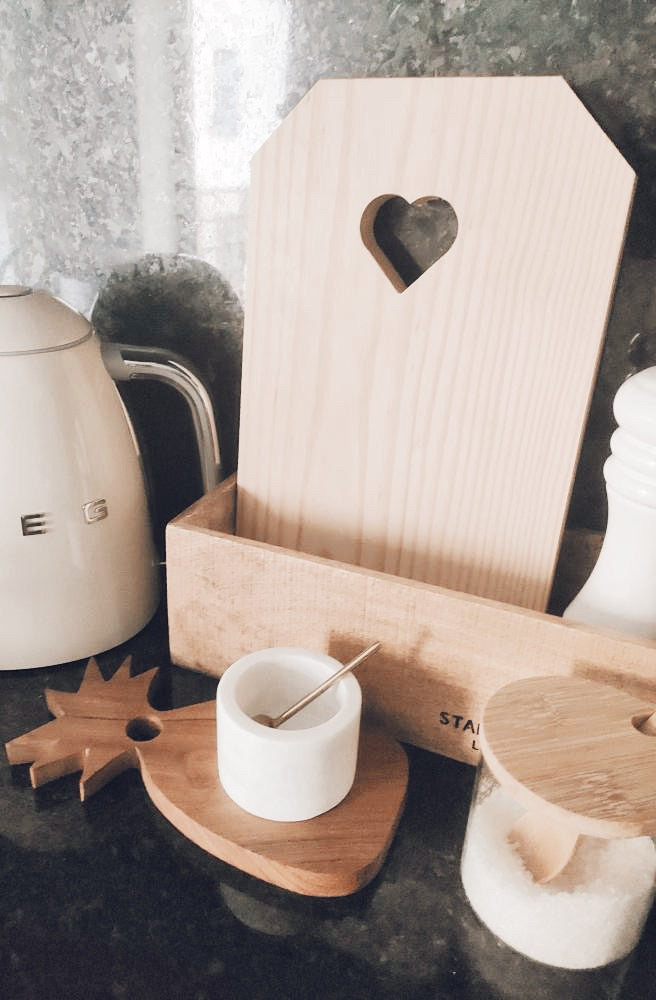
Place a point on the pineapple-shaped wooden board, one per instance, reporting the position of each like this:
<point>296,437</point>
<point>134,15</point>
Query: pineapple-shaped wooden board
<point>430,267</point>
<point>109,726</point>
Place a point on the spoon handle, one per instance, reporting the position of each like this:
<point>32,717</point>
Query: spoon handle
<point>351,665</point>
<point>648,726</point>
<point>545,847</point>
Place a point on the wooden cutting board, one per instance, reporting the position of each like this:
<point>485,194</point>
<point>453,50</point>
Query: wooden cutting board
<point>430,267</point>
<point>109,726</point>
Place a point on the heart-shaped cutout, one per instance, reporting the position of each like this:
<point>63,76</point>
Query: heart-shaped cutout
<point>406,239</point>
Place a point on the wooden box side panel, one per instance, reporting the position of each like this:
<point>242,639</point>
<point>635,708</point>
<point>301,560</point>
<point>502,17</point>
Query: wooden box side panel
<point>443,653</point>
<point>215,511</point>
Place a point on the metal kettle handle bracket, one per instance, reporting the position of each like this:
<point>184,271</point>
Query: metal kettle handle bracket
<point>126,362</point>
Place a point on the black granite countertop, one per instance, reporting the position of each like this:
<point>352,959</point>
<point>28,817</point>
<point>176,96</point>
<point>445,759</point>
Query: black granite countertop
<point>105,899</point>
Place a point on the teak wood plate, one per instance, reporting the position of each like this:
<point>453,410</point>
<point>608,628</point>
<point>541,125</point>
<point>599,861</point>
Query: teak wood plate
<point>109,726</point>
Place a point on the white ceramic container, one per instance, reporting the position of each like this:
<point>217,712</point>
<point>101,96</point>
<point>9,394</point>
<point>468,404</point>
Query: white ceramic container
<point>304,767</point>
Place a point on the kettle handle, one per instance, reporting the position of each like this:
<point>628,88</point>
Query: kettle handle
<point>127,362</point>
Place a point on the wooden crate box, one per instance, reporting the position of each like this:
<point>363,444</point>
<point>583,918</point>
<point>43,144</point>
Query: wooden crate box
<point>444,653</point>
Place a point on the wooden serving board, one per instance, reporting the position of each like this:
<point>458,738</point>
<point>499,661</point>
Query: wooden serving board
<point>109,726</point>
<point>430,266</point>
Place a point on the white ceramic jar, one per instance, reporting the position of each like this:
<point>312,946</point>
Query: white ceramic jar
<point>304,767</point>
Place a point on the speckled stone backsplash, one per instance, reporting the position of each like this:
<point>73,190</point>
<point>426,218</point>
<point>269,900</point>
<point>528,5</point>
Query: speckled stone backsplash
<point>127,127</point>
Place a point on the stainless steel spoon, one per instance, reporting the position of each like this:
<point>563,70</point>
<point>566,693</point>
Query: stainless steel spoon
<point>267,720</point>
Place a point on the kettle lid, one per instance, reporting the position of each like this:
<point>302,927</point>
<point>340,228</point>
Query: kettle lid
<point>33,321</point>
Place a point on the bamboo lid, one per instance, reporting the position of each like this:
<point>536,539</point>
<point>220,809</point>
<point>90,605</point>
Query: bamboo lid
<point>573,749</point>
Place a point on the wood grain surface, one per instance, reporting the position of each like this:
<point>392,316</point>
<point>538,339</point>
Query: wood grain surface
<point>573,750</point>
<point>429,429</point>
<point>443,653</point>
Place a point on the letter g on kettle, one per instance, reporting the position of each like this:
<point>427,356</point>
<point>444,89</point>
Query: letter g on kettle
<point>79,572</point>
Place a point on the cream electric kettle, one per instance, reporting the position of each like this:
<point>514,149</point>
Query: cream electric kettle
<point>79,572</point>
